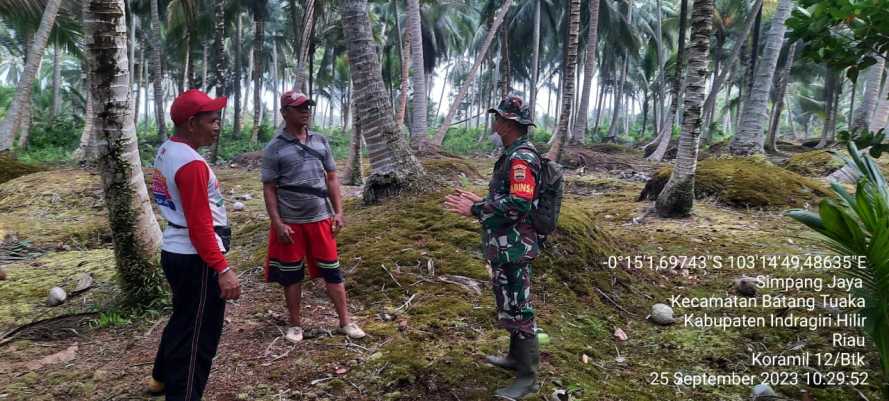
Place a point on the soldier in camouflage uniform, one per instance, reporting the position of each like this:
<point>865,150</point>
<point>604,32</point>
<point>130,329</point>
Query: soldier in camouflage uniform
<point>509,239</point>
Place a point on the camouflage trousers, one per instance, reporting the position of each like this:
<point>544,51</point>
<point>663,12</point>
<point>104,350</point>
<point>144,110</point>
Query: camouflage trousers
<point>512,293</point>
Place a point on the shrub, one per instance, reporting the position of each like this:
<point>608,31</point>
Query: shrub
<point>858,225</point>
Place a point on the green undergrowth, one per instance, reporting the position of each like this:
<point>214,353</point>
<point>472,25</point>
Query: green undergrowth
<point>744,182</point>
<point>11,168</point>
<point>816,163</point>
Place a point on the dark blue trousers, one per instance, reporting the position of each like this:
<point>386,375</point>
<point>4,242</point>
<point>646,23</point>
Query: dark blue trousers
<point>191,337</point>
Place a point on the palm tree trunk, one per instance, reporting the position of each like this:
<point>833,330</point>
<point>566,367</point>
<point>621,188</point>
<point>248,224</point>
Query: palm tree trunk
<point>259,29</point>
<point>205,67</point>
<point>239,61</point>
<point>470,78</point>
<point>305,44</point>
<point>535,57</point>
<point>22,97</point>
<point>405,76</point>
<point>353,174</point>
<point>831,87</point>
<point>881,114</point>
<point>644,113</point>
<point>870,93</point>
<point>88,150</point>
<point>771,145</point>
<point>677,197</point>
<point>139,83</point>
<point>710,104</point>
<point>274,78</point>
<point>599,105</point>
<point>505,70</point>
<point>589,69</point>
<point>135,233</point>
<point>618,97</point>
<point>750,137</point>
<point>219,74</point>
<point>754,54</point>
<point>394,167</point>
<point>568,78</point>
<point>56,83</point>
<point>157,72</point>
<point>444,86</point>
<point>680,63</point>
<point>419,102</point>
<point>717,64</point>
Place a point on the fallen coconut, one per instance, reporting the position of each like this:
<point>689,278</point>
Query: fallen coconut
<point>746,286</point>
<point>56,297</point>
<point>763,392</point>
<point>84,282</point>
<point>620,335</point>
<point>662,314</point>
<point>2,274</point>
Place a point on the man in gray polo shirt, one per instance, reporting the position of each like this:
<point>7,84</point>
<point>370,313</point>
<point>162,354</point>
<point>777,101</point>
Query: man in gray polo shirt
<point>304,203</point>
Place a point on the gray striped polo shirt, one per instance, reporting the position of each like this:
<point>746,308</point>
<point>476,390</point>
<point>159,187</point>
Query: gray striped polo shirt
<point>299,176</point>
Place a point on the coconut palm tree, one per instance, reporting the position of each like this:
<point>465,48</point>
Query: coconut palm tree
<point>677,197</point>
<point>721,77</point>
<point>569,80</point>
<point>589,68</point>
<point>470,79</point>
<point>135,233</point>
<point>305,36</point>
<point>751,134</point>
<point>419,101</point>
<point>219,49</point>
<point>881,114</point>
<point>156,72</point>
<point>259,12</point>
<point>26,81</point>
<point>771,144</point>
<point>394,167</point>
<point>872,81</point>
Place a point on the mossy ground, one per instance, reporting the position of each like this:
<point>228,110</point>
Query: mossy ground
<point>816,163</point>
<point>11,168</point>
<point>745,183</point>
<point>432,347</point>
<point>56,207</point>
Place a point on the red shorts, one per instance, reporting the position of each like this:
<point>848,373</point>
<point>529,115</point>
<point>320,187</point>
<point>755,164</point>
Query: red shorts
<point>313,249</point>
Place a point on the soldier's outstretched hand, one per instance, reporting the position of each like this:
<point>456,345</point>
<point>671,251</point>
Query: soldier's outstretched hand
<point>468,195</point>
<point>458,204</point>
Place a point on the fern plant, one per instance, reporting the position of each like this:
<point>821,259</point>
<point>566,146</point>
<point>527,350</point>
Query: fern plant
<point>859,225</point>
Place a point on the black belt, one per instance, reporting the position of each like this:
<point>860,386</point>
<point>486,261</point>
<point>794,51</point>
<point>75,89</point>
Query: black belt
<point>215,228</point>
<point>224,232</point>
<point>321,193</point>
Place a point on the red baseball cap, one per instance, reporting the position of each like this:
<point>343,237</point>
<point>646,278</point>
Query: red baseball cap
<point>295,98</point>
<point>192,102</point>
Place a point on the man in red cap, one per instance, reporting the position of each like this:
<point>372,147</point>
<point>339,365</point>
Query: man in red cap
<point>197,234</point>
<point>302,197</point>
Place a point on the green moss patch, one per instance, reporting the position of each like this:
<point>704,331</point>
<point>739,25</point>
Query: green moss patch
<point>52,207</point>
<point>451,168</point>
<point>11,168</point>
<point>744,182</point>
<point>816,163</point>
<point>23,294</point>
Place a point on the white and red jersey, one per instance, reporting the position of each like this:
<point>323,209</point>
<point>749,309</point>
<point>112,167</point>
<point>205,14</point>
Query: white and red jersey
<point>187,193</point>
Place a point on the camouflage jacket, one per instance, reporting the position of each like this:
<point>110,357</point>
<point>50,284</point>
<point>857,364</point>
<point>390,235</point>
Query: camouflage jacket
<point>507,233</point>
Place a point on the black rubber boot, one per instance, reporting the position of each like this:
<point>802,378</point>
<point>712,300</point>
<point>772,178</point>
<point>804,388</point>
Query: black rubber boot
<point>527,357</point>
<point>507,361</point>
